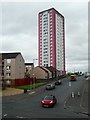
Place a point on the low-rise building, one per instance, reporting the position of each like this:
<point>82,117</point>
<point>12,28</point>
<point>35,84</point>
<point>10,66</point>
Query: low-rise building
<point>40,73</point>
<point>49,72</point>
<point>13,67</point>
<point>53,70</point>
<point>28,67</point>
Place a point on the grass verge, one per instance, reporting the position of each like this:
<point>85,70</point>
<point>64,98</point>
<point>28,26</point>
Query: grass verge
<point>30,86</point>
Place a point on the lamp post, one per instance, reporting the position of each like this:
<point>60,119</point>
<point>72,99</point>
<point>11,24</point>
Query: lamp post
<point>34,72</point>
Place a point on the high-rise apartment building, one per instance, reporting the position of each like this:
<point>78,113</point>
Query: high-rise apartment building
<point>51,39</point>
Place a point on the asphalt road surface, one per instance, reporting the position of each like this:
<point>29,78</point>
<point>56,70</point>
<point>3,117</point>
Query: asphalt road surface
<point>28,105</point>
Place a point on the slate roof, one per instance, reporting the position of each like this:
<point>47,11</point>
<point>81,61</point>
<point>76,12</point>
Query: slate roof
<point>9,55</point>
<point>28,63</point>
<point>43,69</point>
<point>52,69</point>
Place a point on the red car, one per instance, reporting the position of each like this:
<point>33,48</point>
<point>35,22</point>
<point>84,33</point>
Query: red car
<point>49,101</point>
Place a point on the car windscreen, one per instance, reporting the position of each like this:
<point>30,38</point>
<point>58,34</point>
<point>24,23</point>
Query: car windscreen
<point>48,85</point>
<point>48,98</point>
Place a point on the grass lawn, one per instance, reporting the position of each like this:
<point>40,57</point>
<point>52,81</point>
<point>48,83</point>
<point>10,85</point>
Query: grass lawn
<point>30,86</point>
<point>1,88</point>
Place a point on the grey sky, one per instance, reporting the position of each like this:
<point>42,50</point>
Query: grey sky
<point>20,30</point>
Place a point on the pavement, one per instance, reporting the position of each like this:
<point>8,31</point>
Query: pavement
<point>11,91</point>
<point>78,103</point>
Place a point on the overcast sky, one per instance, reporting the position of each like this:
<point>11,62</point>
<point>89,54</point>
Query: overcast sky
<point>20,30</point>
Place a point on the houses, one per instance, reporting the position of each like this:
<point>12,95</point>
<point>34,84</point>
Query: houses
<point>40,73</point>
<point>28,67</point>
<point>11,66</point>
<point>43,72</point>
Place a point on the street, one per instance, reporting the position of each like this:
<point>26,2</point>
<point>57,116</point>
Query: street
<point>28,105</point>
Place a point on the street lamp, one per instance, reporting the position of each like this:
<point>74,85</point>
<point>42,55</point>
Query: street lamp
<point>33,71</point>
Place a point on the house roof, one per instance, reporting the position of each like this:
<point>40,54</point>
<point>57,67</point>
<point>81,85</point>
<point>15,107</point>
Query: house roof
<point>52,69</point>
<point>46,69</point>
<point>28,63</point>
<point>9,55</point>
<point>43,69</point>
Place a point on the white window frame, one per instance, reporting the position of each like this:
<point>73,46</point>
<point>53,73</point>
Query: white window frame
<point>8,60</point>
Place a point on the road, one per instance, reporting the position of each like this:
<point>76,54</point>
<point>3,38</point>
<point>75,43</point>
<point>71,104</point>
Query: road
<point>28,105</point>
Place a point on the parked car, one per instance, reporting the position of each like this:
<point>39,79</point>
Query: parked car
<point>50,86</point>
<point>87,75</point>
<point>49,101</point>
<point>58,82</point>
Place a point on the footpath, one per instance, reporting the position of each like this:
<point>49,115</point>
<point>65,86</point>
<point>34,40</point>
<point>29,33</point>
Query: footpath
<point>78,103</point>
<point>11,91</point>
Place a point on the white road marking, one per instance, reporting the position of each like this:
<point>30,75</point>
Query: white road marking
<point>32,92</point>
<point>19,117</point>
<point>70,84</point>
<point>5,115</point>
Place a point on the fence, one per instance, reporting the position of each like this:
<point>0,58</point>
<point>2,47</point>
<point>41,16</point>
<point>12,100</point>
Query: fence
<point>19,82</point>
<point>25,81</point>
